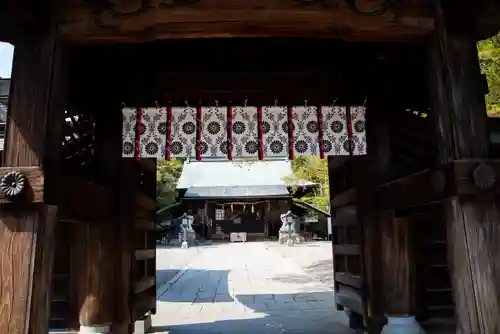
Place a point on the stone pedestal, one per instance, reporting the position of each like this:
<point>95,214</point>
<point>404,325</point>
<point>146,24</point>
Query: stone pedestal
<point>285,236</point>
<point>402,325</point>
<point>95,329</point>
<point>191,238</point>
<point>143,326</point>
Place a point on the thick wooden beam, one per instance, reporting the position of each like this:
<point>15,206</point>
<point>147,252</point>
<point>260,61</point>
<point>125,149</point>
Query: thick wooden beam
<point>371,171</point>
<point>33,138</point>
<point>244,18</point>
<point>416,189</point>
<point>33,186</point>
<point>472,221</point>
<point>346,197</point>
<point>124,246</point>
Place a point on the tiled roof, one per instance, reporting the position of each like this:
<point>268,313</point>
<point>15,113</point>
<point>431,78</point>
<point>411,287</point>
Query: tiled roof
<point>280,191</point>
<point>230,174</point>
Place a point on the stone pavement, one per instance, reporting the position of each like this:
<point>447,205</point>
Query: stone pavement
<point>170,260</point>
<point>315,258</point>
<point>247,288</point>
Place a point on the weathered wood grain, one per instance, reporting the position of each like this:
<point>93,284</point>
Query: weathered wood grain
<point>415,189</point>
<point>85,201</point>
<point>145,202</point>
<point>472,220</point>
<point>244,18</point>
<point>28,243</point>
<point>128,173</point>
<point>349,279</point>
<point>346,197</point>
<point>96,294</point>
<point>34,188</point>
<point>398,264</point>
<point>145,254</point>
<point>32,140</point>
<point>144,284</point>
<point>463,177</point>
<point>370,172</point>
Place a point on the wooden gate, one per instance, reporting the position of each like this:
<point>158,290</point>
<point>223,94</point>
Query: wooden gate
<point>347,244</point>
<point>144,242</point>
<point>347,255</point>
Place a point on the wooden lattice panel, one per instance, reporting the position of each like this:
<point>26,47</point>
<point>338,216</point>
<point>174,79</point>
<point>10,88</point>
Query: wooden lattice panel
<point>78,141</point>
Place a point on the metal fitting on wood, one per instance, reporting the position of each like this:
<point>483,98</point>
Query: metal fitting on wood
<point>484,176</point>
<point>13,184</point>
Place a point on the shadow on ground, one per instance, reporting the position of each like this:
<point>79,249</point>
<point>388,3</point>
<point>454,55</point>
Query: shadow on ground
<point>311,313</point>
<point>223,313</point>
<point>212,287</point>
<point>165,275</point>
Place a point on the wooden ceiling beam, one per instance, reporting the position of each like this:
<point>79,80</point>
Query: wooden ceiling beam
<point>85,23</point>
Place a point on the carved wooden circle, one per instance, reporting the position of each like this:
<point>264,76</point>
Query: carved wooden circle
<point>12,184</point>
<point>484,176</point>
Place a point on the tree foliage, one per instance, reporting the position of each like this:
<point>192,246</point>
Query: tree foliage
<point>167,174</point>
<point>489,60</point>
<point>314,169</point>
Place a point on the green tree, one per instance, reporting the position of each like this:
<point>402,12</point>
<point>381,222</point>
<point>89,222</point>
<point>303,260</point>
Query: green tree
<point>167,174</point>
<point>489,60</point>
<point>314,169</point>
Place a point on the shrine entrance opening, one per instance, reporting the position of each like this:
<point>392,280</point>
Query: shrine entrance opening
<point>425,188</point>
<point>286,72</point>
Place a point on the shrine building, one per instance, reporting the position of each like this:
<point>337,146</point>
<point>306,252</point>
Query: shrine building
<point>242,197</point>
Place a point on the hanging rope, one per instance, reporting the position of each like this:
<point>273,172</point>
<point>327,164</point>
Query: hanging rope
<point>238,203</point>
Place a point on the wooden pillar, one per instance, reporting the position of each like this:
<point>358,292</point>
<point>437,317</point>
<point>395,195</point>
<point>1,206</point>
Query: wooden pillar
<point>124,250</point>
<point>399,274</point>
<point>96,280</point>
<point>33,139</point>
<point>370,172</point>
<point>473,228</point>
<point>96,239</point>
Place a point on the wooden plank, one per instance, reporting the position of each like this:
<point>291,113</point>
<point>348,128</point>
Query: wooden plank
<point>346,197</point>
<point>141,214</point>
<point>145,201</point>
<point>350,298</point>
<point>416,189</point>
<point>148,165</point>
<point>475,176</point>
<point>34,188</point>
<point>81,200</point>
<point>143,303</point>
<point>96,266</point>
<point>240,18</point>
<point>460,113</point>
<point>145,224</point>
<point>345,216</point>
<point>144,284</point>
<point>15,231</point>
<point>370,172</point>
<point>349,279</point>
<point>398,264</point>
<point>34,123</point>
<point>125,253</point>
<point>145,254</point>
<point>346,249</point>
